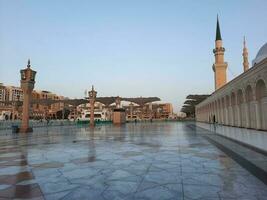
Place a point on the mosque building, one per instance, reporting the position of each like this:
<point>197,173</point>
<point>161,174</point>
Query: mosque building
<point>241,102</point>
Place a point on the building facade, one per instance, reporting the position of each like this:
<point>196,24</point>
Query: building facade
<point>242,102</point>
<point>10,95</point>
<point>46,110</point>
<point>149,111</point>
<point>2,93</point>
<point>13,93</point>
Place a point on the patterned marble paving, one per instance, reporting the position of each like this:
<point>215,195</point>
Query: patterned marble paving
<point>136,161</point>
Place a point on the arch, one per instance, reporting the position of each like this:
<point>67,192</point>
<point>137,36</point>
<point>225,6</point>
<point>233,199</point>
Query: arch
<point>260,89</point>
<point>261,94</point>
<point>249,93</point>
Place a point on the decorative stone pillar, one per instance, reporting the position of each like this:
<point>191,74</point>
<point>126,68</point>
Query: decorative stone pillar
<point>247,125</point>
<point>219,114</point>
<point>92,98</point>
<point>27,84</point>
<point>258,115</point>
<point>230,115</point>
<point>222,113</point>
<point>226,116</point>
<point>238,120</point>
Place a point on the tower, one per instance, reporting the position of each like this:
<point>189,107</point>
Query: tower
<point>27,84</point>
<point>245,56</point>
<point>219,67</point>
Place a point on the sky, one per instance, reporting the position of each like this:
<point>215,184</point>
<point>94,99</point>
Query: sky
<point>129,48</point>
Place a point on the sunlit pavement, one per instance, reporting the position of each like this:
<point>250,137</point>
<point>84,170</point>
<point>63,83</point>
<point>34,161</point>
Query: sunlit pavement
<point>137,161</point>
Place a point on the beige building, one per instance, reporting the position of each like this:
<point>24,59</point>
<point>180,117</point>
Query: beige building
<point>150,111</point>
<point>242,102</point>
<point>46,110</point>
<point>12,93</point>
<point>2,92</point>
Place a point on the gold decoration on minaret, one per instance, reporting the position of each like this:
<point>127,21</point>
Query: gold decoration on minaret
<point>245,56</point>
<point>219,67</point>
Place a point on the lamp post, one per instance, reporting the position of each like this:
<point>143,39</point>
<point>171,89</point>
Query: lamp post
<point>92,97</point>
<point>27,84</point>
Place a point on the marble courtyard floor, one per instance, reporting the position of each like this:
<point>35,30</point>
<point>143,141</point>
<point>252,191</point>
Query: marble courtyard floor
<point>168,160</point>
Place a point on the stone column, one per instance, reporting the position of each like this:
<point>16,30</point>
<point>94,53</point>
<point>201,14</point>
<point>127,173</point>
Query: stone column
<point>92,112</point>
<point>226,117</point>
<point>258,115</point>
<point>230,115</point>
<point>26,111</point>
<point>238,120</point>
<point>222,115</point>
<point>264,114</point>
<point>27,85</point>
<point>92,98</point>
<point>247,115</point>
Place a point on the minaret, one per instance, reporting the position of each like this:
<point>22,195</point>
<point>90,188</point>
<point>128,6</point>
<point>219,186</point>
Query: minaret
<point>219,67</point>
<point>245,56</point>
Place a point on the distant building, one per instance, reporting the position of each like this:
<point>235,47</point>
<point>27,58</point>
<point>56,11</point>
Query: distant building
<point>13,93</point>
<point>9,95</point>
<point>149,111</point>
<point>2,92</point>
<point>46,110</point>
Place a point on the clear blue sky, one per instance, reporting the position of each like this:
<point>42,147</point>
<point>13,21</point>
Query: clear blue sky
<point>127,48</point>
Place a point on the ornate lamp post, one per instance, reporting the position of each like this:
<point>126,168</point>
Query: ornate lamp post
<point>92,97</point>
<point>27,84</point>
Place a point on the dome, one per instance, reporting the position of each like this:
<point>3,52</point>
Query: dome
<point>262,53</point>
